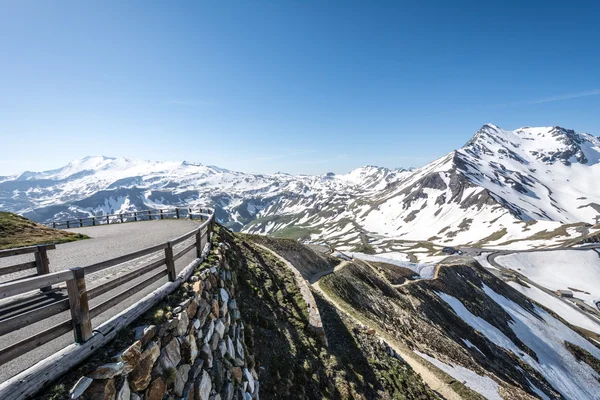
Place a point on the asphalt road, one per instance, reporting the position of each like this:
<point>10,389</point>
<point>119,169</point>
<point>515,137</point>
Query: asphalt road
<point>108,241</point>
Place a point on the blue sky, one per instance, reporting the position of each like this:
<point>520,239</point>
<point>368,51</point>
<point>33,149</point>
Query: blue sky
<point>296,86</point>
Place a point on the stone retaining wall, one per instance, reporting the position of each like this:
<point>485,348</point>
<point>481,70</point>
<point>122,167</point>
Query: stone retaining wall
<point>198,353</point>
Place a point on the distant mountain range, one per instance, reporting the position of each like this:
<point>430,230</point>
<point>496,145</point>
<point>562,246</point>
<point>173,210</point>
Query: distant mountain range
<point>535,184</point>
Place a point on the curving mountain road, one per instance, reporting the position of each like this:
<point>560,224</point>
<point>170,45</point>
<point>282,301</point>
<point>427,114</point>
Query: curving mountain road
<point>107,242</point>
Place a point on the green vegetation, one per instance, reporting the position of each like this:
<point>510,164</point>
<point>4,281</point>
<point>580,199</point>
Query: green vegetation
<point>18,231</point>
<point>295,232</point>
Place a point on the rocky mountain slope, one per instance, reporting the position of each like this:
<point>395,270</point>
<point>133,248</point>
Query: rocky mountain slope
<point>502,186</point>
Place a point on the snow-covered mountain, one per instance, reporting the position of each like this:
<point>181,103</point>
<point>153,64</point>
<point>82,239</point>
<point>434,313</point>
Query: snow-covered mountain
<point>502,186</point>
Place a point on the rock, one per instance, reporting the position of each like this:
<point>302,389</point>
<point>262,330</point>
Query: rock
<point>229,391</point>
<point>230,350</point>
<point>189,349</point>
<point>131,356</point>
<point>135,396</point>
<point>222,348</point>
<point>196,324</point>
<point>247,396</point>
<point>157,390</point>
<point>237,374</point>
<point>218,374</point>
<point>101,389</point>
<point>250,380</point>
<point>206,354</point>
<point>238,362</point>
<point>220,328</point>
<point>176,310</point>
<point>371,331</point>
<point>194,278</point>
<point>214,341</point>
<point>82,384</point>
<point>203,386</point>
<point>223,310</point>
<point>145,333</point>
<point>108,371</point>
<point>224,296</point>
<point>240,349</point>
<point>124,392</point>
<point>170,355</point>
<point>192,308</point>
<point>203,311</point>
<point>208,332</point>
<point>182,323</point>
<point>232,304</point>
<point>215,307</point>
<point>188,391</point>
<point>181,379</point>
<point>139,378</point>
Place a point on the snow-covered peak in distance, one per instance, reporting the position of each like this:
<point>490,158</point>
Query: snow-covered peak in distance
<point>500,187</point>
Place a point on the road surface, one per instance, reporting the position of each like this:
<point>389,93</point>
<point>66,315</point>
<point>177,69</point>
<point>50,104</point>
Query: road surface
<point>107,242</point>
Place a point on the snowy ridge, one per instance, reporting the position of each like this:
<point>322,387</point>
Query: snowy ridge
<point>500,188</point>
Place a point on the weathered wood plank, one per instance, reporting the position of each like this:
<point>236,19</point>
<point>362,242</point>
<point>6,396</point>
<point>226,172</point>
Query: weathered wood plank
<point>78,303</point>
<point>27,318</point>
<point>25,285</point>
<point>24,250</point>
<point>18,349</point>
<point>101,289</point>
<point>17,268</point>
<point>184,251</point>
<point>100,308</point>
<point>127,257</point>
<point>170,262</point>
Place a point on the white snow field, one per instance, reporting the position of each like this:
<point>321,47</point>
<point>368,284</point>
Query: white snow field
<point>484,385</point>
<point>564,310</point>
<point>560,269</point>
<point>425,271</point>
<point>546,336</point>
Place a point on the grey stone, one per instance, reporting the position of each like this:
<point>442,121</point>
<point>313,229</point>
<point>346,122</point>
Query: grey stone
<point>182,324</point>
<point>181,379</point>
<point>224,296</point>
<point>208,332</point>
<point>140,376</point>
<point>207,356</point>
<point>145,333</point>
<point>82,384</point>
<point>124,392</point>
<point>203,386</point>
<point>170,356</point>
<point>220,328</point>
<point>230,350</point>
<point>108,371</point>
<point>222,348</point>
<point>177,310</point>
<point>250,380</point>
<point>131,356</point>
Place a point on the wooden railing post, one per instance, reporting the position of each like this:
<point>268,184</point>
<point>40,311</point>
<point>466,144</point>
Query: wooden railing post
<point>149,215</point>
<point>161,214</point>
<point>42,264</point>
<point>54,225</point>
<point>135,216</point>
<point>68,224</point>
<point>93,221</point>
<point>107,219</point>
<point>177,213</point>
<point>121,217</point>
<point>199,243</point>
<point>170,262</point>
<point>80,222</point>
<point>78,303</point>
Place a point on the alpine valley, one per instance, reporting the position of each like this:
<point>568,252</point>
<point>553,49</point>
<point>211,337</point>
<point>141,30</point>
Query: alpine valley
<point>527,188</point>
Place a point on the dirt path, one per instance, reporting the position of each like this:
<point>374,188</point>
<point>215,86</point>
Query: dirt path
<point>429,377</point>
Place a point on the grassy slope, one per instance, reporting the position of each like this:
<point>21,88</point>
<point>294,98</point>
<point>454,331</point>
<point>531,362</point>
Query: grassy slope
<point>18,231</point>
<point>293,362</point>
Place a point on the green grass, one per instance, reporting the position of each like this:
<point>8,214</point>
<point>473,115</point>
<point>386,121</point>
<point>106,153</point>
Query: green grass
<point>18,231</point>
<point>295,232</point>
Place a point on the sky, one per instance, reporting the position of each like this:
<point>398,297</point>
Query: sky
<point>295,86</point>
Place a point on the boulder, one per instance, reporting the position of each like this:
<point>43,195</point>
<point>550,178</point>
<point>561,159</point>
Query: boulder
<point>157,390</point>
<point>207,356</point>
<point>131,356</point>
<point>192,308</point>
<point>108,371</point>
<point>250,380</point>
<point>82,384</point>
<point>224,295</point>
<point>124,392</point>
<point>101,389</point>
<point>139,378</point>
<point>145,333</point>
<point>182,323</point>
<point>203,386</point>
<point>181,379</point>
<point>170,356</point>
<point>197,287</point>
<point>237,374</point>
<point>230,350</point>
<point>220,328</point>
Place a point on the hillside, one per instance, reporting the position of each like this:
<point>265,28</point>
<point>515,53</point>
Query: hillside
<point>523,188</point>
<point>18,231</point>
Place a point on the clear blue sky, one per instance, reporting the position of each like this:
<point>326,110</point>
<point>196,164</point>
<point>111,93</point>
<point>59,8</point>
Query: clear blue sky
<point>296,86</point>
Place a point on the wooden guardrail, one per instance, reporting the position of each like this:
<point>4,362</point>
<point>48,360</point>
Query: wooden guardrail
<point>78,294</point>
<point>131,216</point>
<point>41,263</point>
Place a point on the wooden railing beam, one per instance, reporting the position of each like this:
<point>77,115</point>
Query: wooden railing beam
<point>78,303</point>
